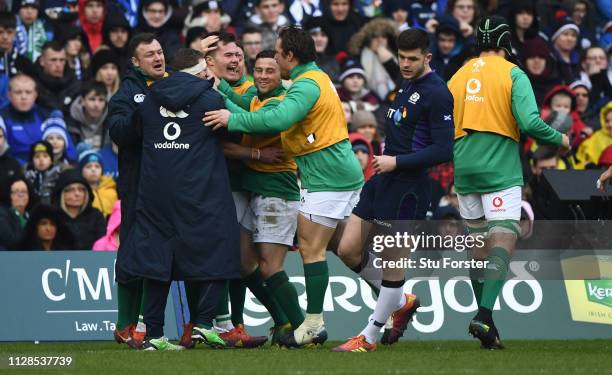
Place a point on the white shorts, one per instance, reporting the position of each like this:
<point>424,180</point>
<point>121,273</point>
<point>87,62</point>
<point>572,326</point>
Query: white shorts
<point>274,219</point>
<point>243,211</point>
<point>328,207</point>
<point>500,205</point>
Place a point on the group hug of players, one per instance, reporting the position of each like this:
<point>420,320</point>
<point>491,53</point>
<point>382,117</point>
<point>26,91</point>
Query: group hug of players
<point>429,123</point>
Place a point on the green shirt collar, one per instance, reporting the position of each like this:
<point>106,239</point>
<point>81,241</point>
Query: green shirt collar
<point>279,90</point>
<point>238,82</point>
<point>302,68</point>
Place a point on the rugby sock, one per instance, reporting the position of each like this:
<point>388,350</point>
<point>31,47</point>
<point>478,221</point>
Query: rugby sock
<point>317,278</point>
<point>370,274</point>
<point>193,299</point>
<point>285,294</point>
<point>255,283</point>
<point>390,293</point>
<point>129,296</point>
<point>237,294</point>
<point>476,278</point>
<point>495,276</point>
<point>223,318</point>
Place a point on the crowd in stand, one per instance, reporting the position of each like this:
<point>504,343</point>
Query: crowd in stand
<point>62,60</point>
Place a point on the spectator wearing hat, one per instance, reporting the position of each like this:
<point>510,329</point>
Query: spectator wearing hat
<point>46,231</point>
<point>448,47</point>
<point>62,15</point>
<point>590,150</point>
<point>77,55</point>
<point>74,197</point>
<point>325,59</point>
<point>56,83</point>
<point>353,89</point>
<point>40,171</point>
<point>540,67</point>
<point>31,32</point>
<point>269,19</point>
<point>55,132</point>
<point>252,44</point>
<point>300,11</point>
<point>87,115</point>
<point>91,16</point>
<point>110,241</point>
<point>375,46</point>
<point>154,17</point>
<point>9,166</point>
<point>341,22</point>
<point>11,62</point>
<point>103,187</point>
<point>16,202</point>
<point>562,100</point>
<point>399,12</point>
<point>22,118</point>
<point>105,69</point>
<point>587,114</point>
<point>208,15</point>
<point>564,38</point>
<point>364,152</point>
<point>364,123</point>
<point>523,21</point>
<point>115,36</point>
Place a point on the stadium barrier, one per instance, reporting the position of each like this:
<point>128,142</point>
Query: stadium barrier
<point>71,296</point>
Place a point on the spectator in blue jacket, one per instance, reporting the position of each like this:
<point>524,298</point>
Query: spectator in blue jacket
<point>11,62</point>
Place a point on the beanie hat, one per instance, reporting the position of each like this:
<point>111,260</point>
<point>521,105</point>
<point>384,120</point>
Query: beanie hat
<point>55,125</point>
<point>29,3</point>
<point>448,24</point>
<point>203,6</point>
<point>493,32</point>
<point>315,25</point>
<point>41,146</point>
<point>563,24</point>
<point>362,118</point>
<point>87,155</point>
<point>350,67</point>
<point>581,83</point>
<point>103,56</point>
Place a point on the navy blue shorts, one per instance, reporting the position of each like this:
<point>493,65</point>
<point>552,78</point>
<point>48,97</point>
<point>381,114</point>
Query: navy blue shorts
<point>391,196</point>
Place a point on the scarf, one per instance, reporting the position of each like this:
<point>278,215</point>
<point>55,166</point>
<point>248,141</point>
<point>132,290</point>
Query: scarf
<point>29,41</point>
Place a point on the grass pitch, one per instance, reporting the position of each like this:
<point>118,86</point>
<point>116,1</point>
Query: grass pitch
<point>592,357</point>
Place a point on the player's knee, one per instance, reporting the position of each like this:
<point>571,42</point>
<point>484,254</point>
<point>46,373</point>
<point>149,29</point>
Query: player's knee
<point>269,268</point>
<point>348,255</point>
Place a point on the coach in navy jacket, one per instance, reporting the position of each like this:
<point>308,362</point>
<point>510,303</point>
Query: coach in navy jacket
<point>186,227</point>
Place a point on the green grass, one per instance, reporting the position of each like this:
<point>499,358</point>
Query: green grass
<point>592,357</point>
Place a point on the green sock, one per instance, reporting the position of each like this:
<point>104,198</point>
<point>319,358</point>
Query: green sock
<point>476,278</point>
<point>495,276</point>
<point>255,283</point>
<point>285,294</point>
<point>193,300</point>
<point>223,313</point>
<point>317,278</point>
<point>128,303</point>
<point>237,293</point>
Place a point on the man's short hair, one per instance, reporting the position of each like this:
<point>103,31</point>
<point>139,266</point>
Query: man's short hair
<point>22,76</point>
<point>52,45</point>
<point>299,41</point>
<point>224,37</point>
<point>92,85</point>
<point>8,20</point>
<point>544,152</point>
<point>251,30</point>
<point>137,40</point>
<point>185,58</point>
<point>413,39</point>
<point>265,54</point>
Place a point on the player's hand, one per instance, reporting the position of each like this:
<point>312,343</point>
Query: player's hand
<point>604,179</point>
<point>384,163</point>
<point>206,43</point>
<point>271,155</point>
<point>217,119</point>
<point>565,145</point>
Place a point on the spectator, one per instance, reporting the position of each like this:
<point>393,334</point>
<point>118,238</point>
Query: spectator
<point>31,33</point>
<point>364,123</point>
<point>593,60</point>
<point>325,60</point>
<point>583,15</point>
<point>341,22</point>
<point>375,46</point>
<point>539,66</point>
<point>105,69</point>
<point>564,37</point>
<point>16,202</point>
<point>40,171</point>
<point>597,70</point>
<point>55,132</point>
<point>268,18</point>
<point>398,11</point>
<point>301,11</point>
<point>364,152</point>
<point>448,47</point>
<point>23,119</point>
<point>74,196</point>
<point>154,19</point>
<point>115,36</point>
<point>523,20</point>
<point>9,166</point>
<point>46,231</point>
<point>77,57</point>
<point>353,88</point>
<point>193,37</point>
<point>544,158</point>
<point>561,99</point>
<point>56,84</point>
<point>110,241</point>
<point>467,13</point>
<point>252,43</point>
<point>588,115</point>
<point>91,16</point>
<point>63,16</point>
<point>443,174</point>
<point>103,187</point>
<point>11,62</point>
<point>208,15</point>
<point>87,115</point>
<point>591,149</point>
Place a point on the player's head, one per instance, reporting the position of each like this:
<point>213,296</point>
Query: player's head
<point>545,157</point>
<point>413,53</point>
<point>226,60</point>
<point>493,34</point>
<point>147,55</point>
<point>294,46</point>
<point>266,72</point>
<point>190,61</point>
